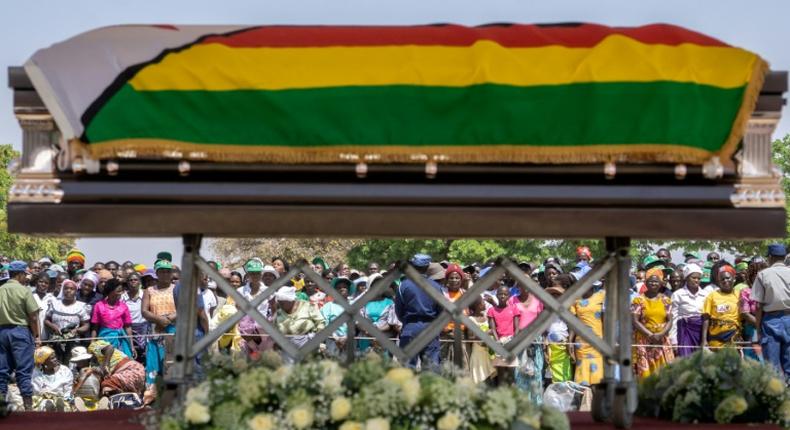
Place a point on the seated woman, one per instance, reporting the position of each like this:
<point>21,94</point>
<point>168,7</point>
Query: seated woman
<point>112,320</point>
<point>295,318</point>
<point>87,386</point>
<point>52,382</point>
<point>721,322</point>
<point>251,342</point>
<point>120,373</point>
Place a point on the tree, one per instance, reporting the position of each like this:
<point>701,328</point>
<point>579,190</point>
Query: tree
<point>235,252</point>
<point>22,246</point>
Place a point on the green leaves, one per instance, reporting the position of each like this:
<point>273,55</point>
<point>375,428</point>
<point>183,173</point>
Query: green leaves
<point>21,246</point>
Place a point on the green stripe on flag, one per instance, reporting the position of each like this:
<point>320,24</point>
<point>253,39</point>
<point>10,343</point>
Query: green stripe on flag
<point>692,115</point>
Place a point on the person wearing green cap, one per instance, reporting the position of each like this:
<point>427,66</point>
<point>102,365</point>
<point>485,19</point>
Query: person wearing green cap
<point>158,308</point>
<point>319,265</point>
<point>164,255</point>
<point>741,270</point>
<point>255,285</point>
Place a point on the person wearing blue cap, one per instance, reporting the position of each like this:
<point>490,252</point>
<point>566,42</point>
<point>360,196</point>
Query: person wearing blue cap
<point>416,310</point>
<point>771,291</point>
<point>19,333</point>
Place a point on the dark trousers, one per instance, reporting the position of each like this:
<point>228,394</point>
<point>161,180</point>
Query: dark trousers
<point>429,356</point>
<point>16,355</point>
<point>775,341</point>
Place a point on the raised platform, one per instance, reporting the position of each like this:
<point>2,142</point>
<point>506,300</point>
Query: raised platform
<point>127,420</point>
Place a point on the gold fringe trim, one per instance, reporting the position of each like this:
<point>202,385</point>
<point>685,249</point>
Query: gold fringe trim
<point>750,96</point>
<point>581,154</point>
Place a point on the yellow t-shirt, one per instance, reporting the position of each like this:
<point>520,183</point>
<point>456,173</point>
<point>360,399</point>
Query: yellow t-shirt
<point>723,311</point>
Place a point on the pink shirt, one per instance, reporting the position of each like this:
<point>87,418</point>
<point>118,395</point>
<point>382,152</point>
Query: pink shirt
<point>527,312</point>
<point>748,305</point>
<point>503,318</point>
<point>113,317</point>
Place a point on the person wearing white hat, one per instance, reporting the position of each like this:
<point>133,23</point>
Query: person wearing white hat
<point>297,318</point>
<point>686,311</point>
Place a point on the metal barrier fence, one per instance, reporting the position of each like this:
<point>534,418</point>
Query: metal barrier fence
<point>615,399</point>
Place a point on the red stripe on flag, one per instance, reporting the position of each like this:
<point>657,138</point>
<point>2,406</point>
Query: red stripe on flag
<point>513,36</point>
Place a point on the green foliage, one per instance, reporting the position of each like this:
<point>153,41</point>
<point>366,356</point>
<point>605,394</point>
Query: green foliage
<point>21,246</point>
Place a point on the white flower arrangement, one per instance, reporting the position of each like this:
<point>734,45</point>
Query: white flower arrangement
<point>716,387</point>
<point>372,394</point>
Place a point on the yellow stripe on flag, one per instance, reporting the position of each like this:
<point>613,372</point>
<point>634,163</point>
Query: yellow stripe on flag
<point>216,67</point>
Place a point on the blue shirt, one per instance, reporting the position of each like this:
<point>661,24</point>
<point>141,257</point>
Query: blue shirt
<point>412,304</point>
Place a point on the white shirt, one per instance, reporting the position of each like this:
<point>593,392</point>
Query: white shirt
<point>246,291</point>
<point>135,307</point>
<point>43,307</point>
<point>63,315</point>
<point>209,300</point>
<point>686,305</point>
<point>59,383</point>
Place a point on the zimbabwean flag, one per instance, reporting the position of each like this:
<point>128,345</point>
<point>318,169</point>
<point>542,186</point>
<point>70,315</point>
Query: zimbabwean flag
<point>497,93</point>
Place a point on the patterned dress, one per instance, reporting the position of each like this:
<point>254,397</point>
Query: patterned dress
<point>654,315</point>
<point>589,362</point>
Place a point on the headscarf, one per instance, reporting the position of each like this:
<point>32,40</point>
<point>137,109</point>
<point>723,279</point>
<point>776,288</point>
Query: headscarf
<point>454,268</point>
<point>248,326</point>
<point>75,255</point>
<point>286,294</point>
<point>140,268</point>
<point>690,269</point>
<point>727,268</point>
<point>583,250</point>
<point>91,276</point>
<point>657,271</point>
<point>68,282</point>
<point>42,354</point>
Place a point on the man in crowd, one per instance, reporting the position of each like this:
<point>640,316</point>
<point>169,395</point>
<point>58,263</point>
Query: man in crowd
<point>19,333</point>
<point>416,310</point>
<point>75,260</point>
<point>771,290</point>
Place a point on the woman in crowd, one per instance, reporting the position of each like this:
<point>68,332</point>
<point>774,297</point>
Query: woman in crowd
<point>111,320</point>
<point>87,290</point>
<point>529,372</point>
<point>159,309</point>
<point>503,323</point>
<point>481,366</point>
<point>311,293</point>
<point>452,290</point>
<point>652,322</point>
<point>66,320</point>
<point>748,308</point>
<point>52,382</point>
<point>721,321</point>
<point>589,362</point>
<point>251,342</point>
<point>280,265</point>
<point>335,344</point>
<point>686,311</point>
<point>133,298</point>
<point>236,279</point>
<point>296,318</point>
<point>381,312</point>
<point>558,357</point>
<point>40,282</point>
<point>120,374</point>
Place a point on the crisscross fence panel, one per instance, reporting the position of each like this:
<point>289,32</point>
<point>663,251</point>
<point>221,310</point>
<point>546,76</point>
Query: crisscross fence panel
<point>187,349</point>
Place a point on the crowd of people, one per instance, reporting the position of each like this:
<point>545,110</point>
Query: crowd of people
<point>78,337</point>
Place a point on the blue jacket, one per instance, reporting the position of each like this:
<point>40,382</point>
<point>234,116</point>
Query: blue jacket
<point>413,305</point>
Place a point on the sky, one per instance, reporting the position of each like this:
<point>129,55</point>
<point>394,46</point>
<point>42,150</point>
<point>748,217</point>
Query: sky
<point>27,25</point>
